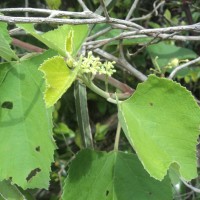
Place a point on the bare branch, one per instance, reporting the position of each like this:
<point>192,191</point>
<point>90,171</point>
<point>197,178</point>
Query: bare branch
<point>179,37</point>
<point>178,68</point>
<point>85,8</point>
<point>44,20</point>
<point>152,41</point>
<point>104,9</point>
<point>133,7</point>
<point>168,36</point>
<point>27,46</point>
<point>100,8</point>
<point>26,6</point>
<point>121,50</point>
<point>85,14</point>
<point>145,17</point>
<point>92,18</point>
<point>102,42</point>
<point>102,32</point>
<point>122,63</point>
<point>191,186</point>
<point>114,82</point>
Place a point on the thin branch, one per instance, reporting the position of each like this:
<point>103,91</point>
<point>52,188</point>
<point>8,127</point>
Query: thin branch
<point>190,186</point>
<point>133,7</point>
<point>85,14</point>
<point>44,20</point>
<point>101,42</point>
<point>145,17</point>
<point>198,101</point>
<point>26,6</point>
<point>162,30</point>
<point>92,19</point>
<point>122,63</point>
<point>85,8</point>
<point>179,37</point>
<point>99,10</point>
<point>27,46</point>
<point>102,32</point>
<point>117,84</point>
<point>178,68</point>
<point>164,36</point>
<point>157,31</point>
<point>105,9</point>
<point>154,6</point>
<point>152,41</point>
<point>121,49</point>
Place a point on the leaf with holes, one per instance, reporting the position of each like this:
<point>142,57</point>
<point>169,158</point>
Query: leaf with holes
<point>161,121</point>
<point>26,143</point>
<point>5,51</point>
<point>57,39</point>
<point>58,78</point>
<point>114,175</point>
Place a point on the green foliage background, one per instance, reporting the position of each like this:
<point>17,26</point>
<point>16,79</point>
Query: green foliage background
<point>103,115</point>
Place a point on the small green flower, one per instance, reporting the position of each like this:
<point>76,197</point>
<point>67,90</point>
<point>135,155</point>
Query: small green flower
<point>93,65</point>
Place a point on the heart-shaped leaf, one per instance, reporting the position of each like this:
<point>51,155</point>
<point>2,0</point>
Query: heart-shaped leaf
<point>112,176</point>
<point>26,143</point>
<point>161,121</point>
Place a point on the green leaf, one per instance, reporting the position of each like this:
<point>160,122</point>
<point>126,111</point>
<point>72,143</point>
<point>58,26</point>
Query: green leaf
<point>58,78</point>
<point>112,176</point>
<point>167,52</point>
<point>101,131</point>
<point>62,128</point>
<point>5,51</point>
<point>9,191</point>
<point>53,4</point>
<point>57,39</point>
<point>26,143</point>
<point>161,121</point>
<point>167,14</point>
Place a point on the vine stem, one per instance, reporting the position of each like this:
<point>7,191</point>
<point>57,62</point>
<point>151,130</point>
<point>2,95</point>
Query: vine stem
<point>99,91</point>
<point>117,136</point>
<point>178,68</point>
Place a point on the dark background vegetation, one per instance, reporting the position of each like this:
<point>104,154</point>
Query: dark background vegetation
<point>103,115</point>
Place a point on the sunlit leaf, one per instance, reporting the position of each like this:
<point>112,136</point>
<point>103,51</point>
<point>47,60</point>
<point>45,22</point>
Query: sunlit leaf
<point>56,39</point>
<point>161,121</point>
<point>112,176</point>
<point>62,128</point>
<point>58,78</point>
<point>53,4</point>
<point>26,143</point>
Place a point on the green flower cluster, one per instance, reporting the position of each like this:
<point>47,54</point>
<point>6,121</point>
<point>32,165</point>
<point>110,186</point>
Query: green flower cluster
<point>93,65</point>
